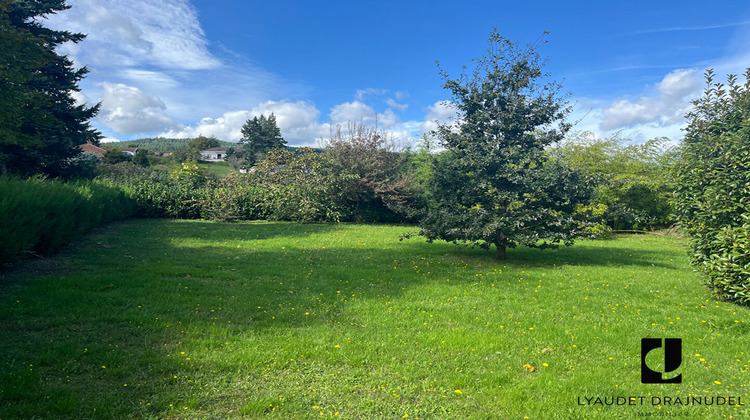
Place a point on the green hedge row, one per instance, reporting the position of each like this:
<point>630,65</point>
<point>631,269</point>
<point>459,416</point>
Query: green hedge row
<point>40,216</point>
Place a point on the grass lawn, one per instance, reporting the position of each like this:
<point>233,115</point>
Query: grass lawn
<point>194,319</point>
<point>220,169</point>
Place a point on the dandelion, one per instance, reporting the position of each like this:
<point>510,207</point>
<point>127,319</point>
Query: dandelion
<point>458,391</point>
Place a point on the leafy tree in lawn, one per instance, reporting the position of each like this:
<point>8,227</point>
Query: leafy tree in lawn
<point>495,185</point>
<point>40,122</point>
<point>712,197</point>
<point>259,135</point>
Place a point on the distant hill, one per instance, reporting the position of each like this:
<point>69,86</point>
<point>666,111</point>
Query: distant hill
<point>162,144</point>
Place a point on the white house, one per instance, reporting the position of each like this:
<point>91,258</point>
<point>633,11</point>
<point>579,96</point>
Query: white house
<point>129,151</point>
<point>216,154</point>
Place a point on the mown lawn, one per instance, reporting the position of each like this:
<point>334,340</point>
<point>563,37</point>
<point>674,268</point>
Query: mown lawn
<point>194,319</point>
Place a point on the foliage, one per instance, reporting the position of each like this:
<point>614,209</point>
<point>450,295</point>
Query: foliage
<point>164,144</point>
<point>303,187</point>
<point>631,181</point>
<point>713,186</point>
<point>40,216</point>
<point>259,136</point>
<point>122,172</point>
<point>40,123</point>
<point>141,158</point>
<point>375,187</point>
<point>495,185</point>
<point>202,143</point>
<point>114,155</point>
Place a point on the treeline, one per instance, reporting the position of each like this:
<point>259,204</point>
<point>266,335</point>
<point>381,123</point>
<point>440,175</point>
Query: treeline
<point>163,144</point>
<point>362,176</point>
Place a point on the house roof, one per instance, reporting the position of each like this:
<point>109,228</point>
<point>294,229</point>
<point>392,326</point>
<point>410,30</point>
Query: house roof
<point>89,148</point>
<point>220,149</point>
<point>129,149</point>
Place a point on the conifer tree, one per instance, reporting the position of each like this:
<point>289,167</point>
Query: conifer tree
<point>40,123</point>
<point>259,135</point>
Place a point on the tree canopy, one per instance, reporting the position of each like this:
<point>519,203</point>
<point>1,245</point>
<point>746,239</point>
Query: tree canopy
<point>259,135</point>
<point>41,124</point>
<point>495,185</point>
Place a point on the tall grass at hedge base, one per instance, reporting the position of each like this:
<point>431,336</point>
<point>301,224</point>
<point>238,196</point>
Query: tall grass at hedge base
<point>40,216</point>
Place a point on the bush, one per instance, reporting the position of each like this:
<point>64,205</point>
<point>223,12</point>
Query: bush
<point>375,186</point>
<point>713,186</point>
<point>300,187</point>
<point>40,216</point>
<point>632,181</point>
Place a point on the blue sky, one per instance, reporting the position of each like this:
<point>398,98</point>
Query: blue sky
<point>181,68</point>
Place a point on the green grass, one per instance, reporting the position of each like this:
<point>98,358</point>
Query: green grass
<point>193,319</point>
<point>220,169</point>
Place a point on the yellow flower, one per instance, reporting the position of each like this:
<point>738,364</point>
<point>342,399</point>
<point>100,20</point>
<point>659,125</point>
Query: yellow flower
<point>458,391</point>
<point>717,382</point>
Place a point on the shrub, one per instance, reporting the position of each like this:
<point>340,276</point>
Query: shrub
<point>713,186</point>
<point>40,216</point>
<point>632,181</point>
<point>375,187</point>
<point>302,187</point>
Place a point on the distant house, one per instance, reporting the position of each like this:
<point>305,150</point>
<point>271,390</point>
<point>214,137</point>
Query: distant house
<point>129,151</point>
<point>215,154</point>
<point>90,149</point>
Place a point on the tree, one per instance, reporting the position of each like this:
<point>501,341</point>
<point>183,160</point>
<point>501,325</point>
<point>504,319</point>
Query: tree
<point>632,182</point>
<point>114,156</point>
<point>201,143</point>
<point>495,184</point>
<point>259,135</point>
<point>141,158</point>
<point>372,183</point>
<point>40,122</point>
<point>713,186</point>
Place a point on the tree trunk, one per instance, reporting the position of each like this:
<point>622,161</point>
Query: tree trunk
<point>501,255</point>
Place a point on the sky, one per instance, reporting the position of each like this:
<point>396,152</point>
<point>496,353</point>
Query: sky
<point>182,68</point>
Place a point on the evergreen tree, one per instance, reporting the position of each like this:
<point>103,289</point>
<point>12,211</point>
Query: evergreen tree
<point>40,123</point>
<point>495,184</point>
<point>259,135</point>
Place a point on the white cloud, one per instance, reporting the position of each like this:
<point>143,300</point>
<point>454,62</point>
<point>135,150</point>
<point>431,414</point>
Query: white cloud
<point>666,108</point>
<point>393,104</point>
<point>441,112</point>
<point>127,109</point>
<point>164,33</point>
<point>361,113</point>
<point>298,122</point>
<point>361,93</point>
